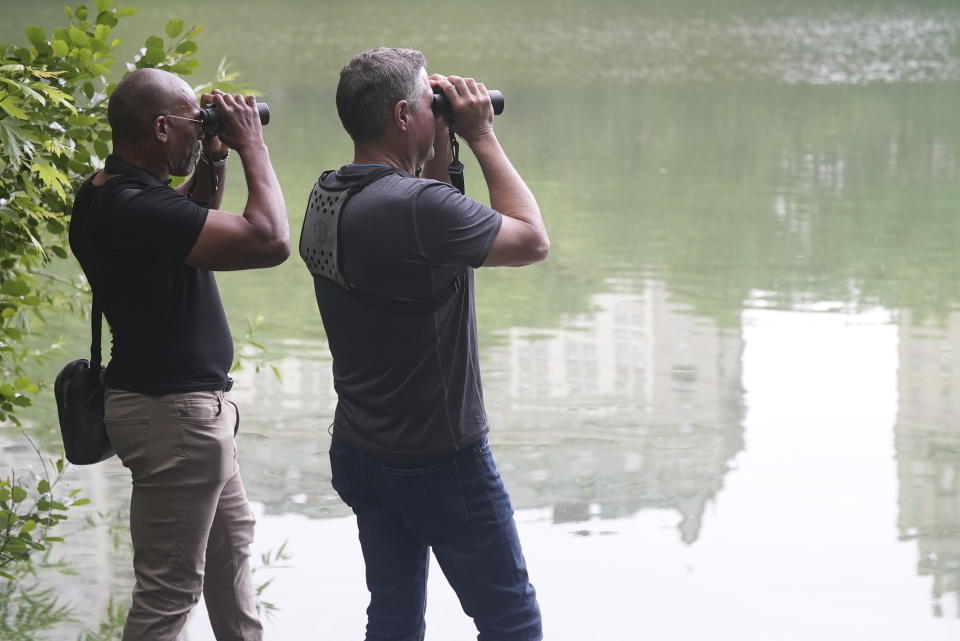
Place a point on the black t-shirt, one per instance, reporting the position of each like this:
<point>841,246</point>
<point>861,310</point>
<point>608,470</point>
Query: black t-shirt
<point>408,384</point>
<point>131,236</point>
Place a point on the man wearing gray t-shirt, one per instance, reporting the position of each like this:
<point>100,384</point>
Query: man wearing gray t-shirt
<point>394,284</point>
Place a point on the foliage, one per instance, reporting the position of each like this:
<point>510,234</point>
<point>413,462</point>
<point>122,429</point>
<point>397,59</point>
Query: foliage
<point>250,350</point>
<point>25,530</point>
<point>29,510</point>
<point>269,560</point>
<point>111,626</point>
<point>54,133</point>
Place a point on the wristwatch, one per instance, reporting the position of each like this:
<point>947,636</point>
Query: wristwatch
<point>214,162</point>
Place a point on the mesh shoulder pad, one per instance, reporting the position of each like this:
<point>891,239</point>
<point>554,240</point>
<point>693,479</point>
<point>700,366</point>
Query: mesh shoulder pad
<point>321,229</point>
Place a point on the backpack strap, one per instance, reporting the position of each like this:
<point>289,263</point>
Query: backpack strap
<point>320,246</point>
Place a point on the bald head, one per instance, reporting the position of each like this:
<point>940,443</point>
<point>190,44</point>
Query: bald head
<point>140,97</point>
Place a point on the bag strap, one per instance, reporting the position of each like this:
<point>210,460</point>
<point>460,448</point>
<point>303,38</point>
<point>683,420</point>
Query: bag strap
<point>113,189</point>
<point>96,318</point>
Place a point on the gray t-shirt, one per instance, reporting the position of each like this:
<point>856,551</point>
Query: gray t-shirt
<point>408,384</point>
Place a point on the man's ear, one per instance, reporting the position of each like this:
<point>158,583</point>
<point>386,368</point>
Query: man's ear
<point>401,115</point>
<point>160,125</point>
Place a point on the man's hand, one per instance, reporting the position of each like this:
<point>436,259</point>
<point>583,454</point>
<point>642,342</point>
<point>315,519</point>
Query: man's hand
<point>436,166</point>
<point>241,121</point>
<point>522,238</point>
<point>213,147</point>
<point>472,110</point>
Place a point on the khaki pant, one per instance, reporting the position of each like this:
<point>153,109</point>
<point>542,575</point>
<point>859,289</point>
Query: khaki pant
<point>190,521</point>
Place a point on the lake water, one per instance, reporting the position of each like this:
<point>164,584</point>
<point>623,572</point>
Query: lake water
<point>727,406</point>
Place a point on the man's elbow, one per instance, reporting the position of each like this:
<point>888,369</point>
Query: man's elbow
<point>542,250</point>
<point>536,251</point>
<point>276,252</point>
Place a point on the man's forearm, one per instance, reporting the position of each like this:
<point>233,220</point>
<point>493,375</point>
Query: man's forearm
<point>265,211</point>
<point>509,195</point>
<point>201,186</point>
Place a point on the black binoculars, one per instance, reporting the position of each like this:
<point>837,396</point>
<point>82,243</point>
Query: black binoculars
<point>442,107</point>
<point>211,123</point>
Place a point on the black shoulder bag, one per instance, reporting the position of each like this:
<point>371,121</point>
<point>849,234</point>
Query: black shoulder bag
<point>79,393</point>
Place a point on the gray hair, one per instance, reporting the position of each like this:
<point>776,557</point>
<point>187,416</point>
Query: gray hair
<point>371,84</point>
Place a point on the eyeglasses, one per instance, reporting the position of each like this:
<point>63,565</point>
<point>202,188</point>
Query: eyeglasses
<point>182,118</point>
<point>199,122</point>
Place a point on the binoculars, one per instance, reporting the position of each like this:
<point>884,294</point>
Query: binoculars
<point>442,107</point>
<point>211,123</point>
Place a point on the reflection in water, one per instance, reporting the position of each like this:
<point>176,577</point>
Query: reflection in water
<point>928,449</point>
<point>634,405</point>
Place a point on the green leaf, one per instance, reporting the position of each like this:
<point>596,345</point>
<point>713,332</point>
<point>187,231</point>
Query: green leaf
<point>55,227</point>
<point>60,48</point>
<point>59,97</point>
<point>69,12</point>
<point>181,68</point>
<point>78,37</point>
<point>175,27</point>
<point>22,401</point>
<point>101,32</point>
<point>15,287</point>
<point>123,12</point>
<point>154,42</point>
<point>153,56</point>
<point>43,486</point>
<point>13,138</point>
<point>52,177</point>
<point>101,147</point>
<point>30,92</point>
<point>82,120</point>
<point>28,526</point>
<point>82,55</point>
<point>107,18</point>
<point>23,55</point>
<point>81,11</point>
<point>53,539</point>
<point>18,494</point>
<point>37,36</point>
<point>22,383</point>
<point>187,47</point>
<point>7,576</point>
<point>59,251</point>
<point>103,5</point>
<point>16,335</point>
<point>81,502</point>
<point>12,104</point>
<point>88,90</point>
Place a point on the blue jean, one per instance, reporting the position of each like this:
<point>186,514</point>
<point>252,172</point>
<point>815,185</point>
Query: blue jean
<point>455,504</point>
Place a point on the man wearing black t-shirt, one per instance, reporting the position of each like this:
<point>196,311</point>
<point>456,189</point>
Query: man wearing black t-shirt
<point>409,451</point>
<point>149,252</point>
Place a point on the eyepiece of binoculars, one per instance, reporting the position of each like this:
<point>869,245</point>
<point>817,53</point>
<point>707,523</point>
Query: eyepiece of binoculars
<point>441,106</point>
<point>212,123</point>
